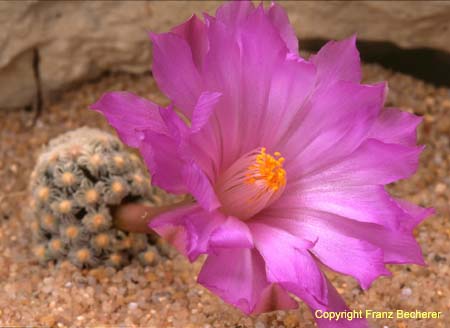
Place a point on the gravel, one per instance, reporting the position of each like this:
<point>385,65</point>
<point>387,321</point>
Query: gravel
<point>61,295</point>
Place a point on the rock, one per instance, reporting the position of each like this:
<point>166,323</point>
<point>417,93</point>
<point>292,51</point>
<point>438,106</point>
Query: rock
<point>440,188</point>
<point>260,324</point>
<point>407,24</point>
<point>132,306</point>
<point>406,291</point>
<point>17,82</point>
<point>76,41</point>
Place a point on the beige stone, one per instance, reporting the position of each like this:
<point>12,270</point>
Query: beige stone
<point>408,24</point>
<point>77,41</point>
<point>17,82</point>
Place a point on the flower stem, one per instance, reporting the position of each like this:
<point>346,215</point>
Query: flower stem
<point>135,217</point>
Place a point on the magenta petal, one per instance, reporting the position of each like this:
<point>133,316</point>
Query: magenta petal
<point>233,68</point>
<point>233,233</point>
<point>160,154</point>
<point>200,187</point>
<point>338,60</point>
<point>398,246</point>
<point>175,72</point>
<point>288,93</point>
<point>334,247</point>
<point>306,272</point>
<point>190,226</point>
<point>274,298</point>
<point>200,143</point>
<point>236,275</point>
<point>280,20</point>
<point>170,227</point>
<point>331,126</point>
<point>199,227</point>
<point>127,112</point>
<point>414,214</point>
<point>365,203</point>
<point>295,270</point>
<point>203,110</point>
<point>374,162</point>
<point>182,166</point>
<point>194,32</point>
<point>234,13</point>
<point>220,75</point>
<point>396,127</point>
<point>258,36</point>
<point>175,126</point>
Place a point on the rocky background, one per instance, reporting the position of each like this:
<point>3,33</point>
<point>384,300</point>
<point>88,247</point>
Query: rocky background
<point>48,46</point>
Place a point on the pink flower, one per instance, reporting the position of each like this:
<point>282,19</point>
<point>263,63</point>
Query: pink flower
<point>286,158</point>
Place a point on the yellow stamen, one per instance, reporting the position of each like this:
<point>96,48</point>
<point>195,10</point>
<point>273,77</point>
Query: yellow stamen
<point>267,169</point>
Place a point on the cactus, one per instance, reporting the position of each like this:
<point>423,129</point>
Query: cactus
<point>77,181</point>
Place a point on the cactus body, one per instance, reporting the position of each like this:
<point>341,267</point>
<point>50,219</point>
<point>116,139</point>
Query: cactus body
<point>77,181</point>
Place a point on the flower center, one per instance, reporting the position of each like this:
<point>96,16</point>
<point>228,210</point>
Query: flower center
<point>252,183</point>
<point>268,170</point>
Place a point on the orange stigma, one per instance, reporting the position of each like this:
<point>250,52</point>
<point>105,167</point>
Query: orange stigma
<point>267,169</point>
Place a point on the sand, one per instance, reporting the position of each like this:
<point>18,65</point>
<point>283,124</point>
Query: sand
<point>167,295</point>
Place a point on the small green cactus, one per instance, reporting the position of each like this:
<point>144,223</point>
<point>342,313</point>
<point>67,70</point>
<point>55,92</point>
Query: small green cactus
<point>77,180</point>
